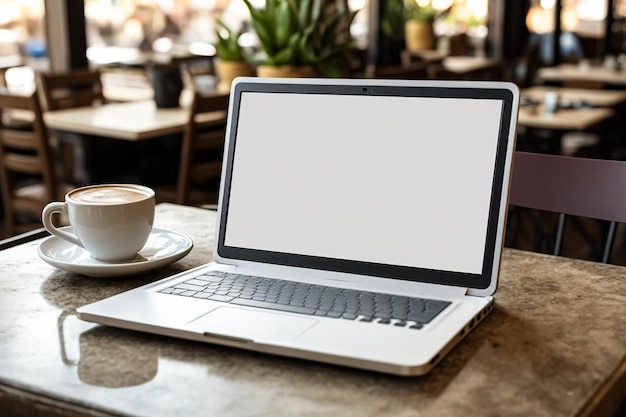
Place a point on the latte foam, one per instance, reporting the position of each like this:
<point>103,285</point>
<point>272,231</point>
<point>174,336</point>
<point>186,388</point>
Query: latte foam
<point>113,194</point>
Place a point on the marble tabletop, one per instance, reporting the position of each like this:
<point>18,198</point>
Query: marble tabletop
<point>554,345</point>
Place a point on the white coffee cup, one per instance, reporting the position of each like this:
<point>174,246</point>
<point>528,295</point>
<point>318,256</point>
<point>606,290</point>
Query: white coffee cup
<point>111,221</point>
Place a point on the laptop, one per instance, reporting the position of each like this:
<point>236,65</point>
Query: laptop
<point>360,223</point>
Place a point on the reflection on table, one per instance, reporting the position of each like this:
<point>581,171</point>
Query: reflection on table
<point>555,346</point>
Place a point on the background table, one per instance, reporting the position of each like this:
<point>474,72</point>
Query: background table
<point>470,65</point>
<point>134,120</point>
<point>570,72</point>
<point>599,98</point>
<point>563,119</point>
<point>106,160</point>
<point>554,346</point>
<point>533,119</point>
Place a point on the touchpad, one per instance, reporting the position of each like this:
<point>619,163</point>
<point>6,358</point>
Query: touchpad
<point>254,325</point>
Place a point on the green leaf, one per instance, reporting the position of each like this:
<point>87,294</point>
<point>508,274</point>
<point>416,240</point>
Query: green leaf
<point>316,12</point>
<point>304,13</point>
<point>293,9</point>
<point>255,14</point>
<point>270,7</point>
<point>283,24</point>
<point>227,44</point>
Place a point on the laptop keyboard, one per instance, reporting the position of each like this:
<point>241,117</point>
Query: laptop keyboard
<point>310,299</point>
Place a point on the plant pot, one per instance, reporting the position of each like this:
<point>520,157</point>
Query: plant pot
<point>419,35</point>
<point>167,82</point>
<point>227,71</point>
<point>285,71</point>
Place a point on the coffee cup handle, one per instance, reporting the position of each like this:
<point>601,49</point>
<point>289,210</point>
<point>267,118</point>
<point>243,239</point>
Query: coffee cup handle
<point>46,218</point>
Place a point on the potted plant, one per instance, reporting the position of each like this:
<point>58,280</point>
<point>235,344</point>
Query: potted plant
<point>232,58</point>
<point>302,38</point>
<point>411,21</point>
<point>418,27</point>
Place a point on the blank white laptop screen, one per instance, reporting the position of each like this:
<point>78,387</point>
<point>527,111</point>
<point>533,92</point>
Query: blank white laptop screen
<point>370,180</point>
<point>435,217</point>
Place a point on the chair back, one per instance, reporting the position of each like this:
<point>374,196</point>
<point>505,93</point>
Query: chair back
<point>584,187</point>
<point>202,150</point>
<point>77,88</point>
<point>26,167</point>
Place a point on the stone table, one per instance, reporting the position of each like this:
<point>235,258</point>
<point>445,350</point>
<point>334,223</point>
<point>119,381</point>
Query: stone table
<point>554,346</point>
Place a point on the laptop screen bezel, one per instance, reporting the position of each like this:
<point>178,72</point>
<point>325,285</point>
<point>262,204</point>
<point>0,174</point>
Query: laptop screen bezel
<point>493,242</point>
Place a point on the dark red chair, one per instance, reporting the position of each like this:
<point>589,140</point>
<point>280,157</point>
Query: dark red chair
<point>583,187</point>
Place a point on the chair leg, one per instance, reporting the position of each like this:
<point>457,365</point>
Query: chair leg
<point>610,239</point>
<point>591,241</point>
<point>559,235</point>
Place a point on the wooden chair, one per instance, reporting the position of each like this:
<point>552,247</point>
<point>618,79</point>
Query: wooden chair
<point>76,88</point>
<point>26,167</point>
<point>201,155</point>
<point>582,187</point>
<point>71,89</point>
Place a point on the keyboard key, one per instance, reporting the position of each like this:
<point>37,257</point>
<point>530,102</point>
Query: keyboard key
<point>201,295</point>
<point>209,278</point>
<point>222,298</point>
<point>196,282</point>
<point>190,287</point>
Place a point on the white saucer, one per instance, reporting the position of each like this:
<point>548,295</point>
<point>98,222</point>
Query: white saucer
<point>163,247</point>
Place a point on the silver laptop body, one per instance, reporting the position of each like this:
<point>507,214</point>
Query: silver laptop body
<point>351,187</point>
